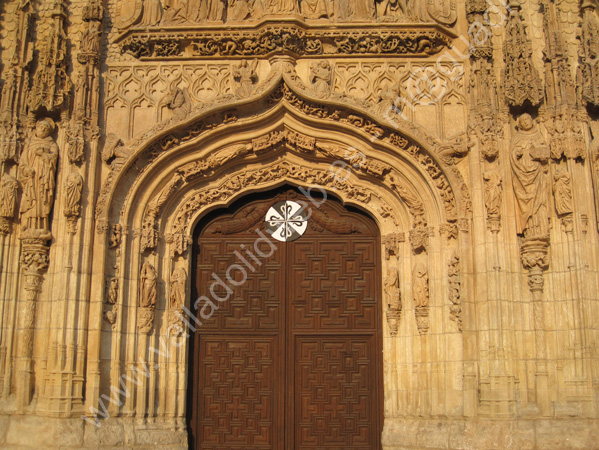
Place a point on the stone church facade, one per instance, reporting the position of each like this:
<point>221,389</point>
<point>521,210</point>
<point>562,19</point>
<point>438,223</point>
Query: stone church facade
<point>447,152</point>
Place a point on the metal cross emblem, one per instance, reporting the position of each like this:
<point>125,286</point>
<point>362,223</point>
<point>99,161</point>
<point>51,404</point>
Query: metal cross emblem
<point>286,221</point>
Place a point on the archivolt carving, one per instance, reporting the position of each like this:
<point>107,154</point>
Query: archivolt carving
<point>149,234</point>
<point>453,273</point>
<point>276,172</point>
<point>165,142</point>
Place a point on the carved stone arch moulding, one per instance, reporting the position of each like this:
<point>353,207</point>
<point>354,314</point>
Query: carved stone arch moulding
<point>129,161</point>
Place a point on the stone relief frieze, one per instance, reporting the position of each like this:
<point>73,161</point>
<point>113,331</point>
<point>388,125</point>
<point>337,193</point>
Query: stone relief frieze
<point>273,38</point>
<point>153,13</point>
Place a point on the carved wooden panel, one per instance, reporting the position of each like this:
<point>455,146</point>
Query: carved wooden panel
<point>291,358</point>
<point>334,383</point>
<point>239,408</point>
<point>333,284</point>
<point>253,305</point>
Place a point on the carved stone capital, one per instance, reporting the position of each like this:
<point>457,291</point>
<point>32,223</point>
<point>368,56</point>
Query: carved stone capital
<point>422,319</point>
<point>34,251</point>
<point>419,239</point>
<point>145,320</point>
<point>393,319</point>
<point>535,253</point>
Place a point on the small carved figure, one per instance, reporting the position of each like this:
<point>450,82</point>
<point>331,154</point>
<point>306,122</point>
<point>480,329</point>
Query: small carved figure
<point>73,188</point>
<point>246,77</point>
<point>562,190</point>
<point>362,10</point>
<point>388,99</point>
<point>280,6</point>
<point>211,11</point>
<point>238,10</point>
<point>316,9</point>
<point>529,157</point>
<point>147,286</point>
<point>91,38</point>
<point>420,286</point>
<point>115,236</point>
<point>178,102</point>
<point>392,289</point>
<point>321,76</point>
<point>391,10</point>
<point>114,152</point>
<point>8,196</point>
<point>492,193</point>
<point>37,176</point>
<point>177,295</point>
<point>113,291</point>
<point>174,15</point>
<point>152,13</point>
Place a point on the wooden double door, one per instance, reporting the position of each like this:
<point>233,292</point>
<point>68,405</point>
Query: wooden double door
<point>288,356</point>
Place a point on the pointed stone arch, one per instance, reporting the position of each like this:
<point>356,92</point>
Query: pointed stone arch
<point>177,173</point>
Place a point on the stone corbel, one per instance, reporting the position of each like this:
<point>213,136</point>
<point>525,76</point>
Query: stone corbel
<point>391,244</point>
<point>419,239</point>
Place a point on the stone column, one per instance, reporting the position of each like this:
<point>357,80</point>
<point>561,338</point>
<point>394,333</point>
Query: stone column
<point>34,262</point>
<point>535,258</point>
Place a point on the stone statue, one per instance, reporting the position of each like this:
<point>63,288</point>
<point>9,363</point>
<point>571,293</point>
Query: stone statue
<point>562,191</point>
<point>529,157</point>
<point>152,13</point>
<point>178,102</point>
<point>8,196</point>
<point>211,11</point>
<point>91,38</point>
<point>174,15</point>
<point>73,188</point>
<point>321,77</point>
<point>238,10</point>
<point>177,295</point>
<point>37,176</point>
<point>357,10</point>
<point>147,286</point>
<point>113,291</point>
<point>280,6</point>
<point>388,98</point>
<point>390,9</point>
<point>492,193</point>
<point>114,152</point>
<point>420,286</point>
<point>245,75</point>
<point>316,9</point>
